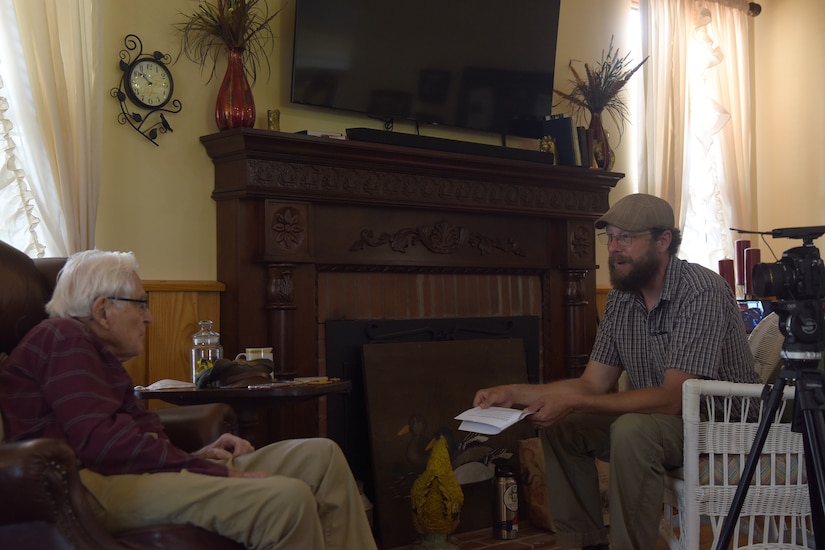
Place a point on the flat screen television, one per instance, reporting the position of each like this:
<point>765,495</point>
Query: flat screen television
<point>483,65</point>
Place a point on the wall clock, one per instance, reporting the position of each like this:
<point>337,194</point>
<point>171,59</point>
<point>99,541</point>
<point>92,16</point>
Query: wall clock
<point>149,83</point>
<point>145,90</point>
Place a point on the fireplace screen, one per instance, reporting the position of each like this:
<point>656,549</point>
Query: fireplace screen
<point>344,339</point>
<point>413,391</point>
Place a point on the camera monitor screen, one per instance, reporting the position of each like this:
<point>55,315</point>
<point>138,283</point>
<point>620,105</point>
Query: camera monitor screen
<point>752,312</point>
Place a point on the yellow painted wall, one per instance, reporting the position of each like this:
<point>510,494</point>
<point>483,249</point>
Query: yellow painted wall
<point>156,201</point>
<point>790,118</point>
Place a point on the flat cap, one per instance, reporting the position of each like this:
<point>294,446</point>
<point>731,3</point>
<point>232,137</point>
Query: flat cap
<point>637,213</point>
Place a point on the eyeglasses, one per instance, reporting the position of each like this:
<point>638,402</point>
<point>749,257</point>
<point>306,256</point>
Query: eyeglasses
<point>624,239</point>
<point>142,303</point>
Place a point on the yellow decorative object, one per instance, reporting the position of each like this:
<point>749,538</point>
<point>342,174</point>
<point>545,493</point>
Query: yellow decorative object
<point>202,365</point>
<point>548,145</point>
<point>437,499</point>
<point>273,120</point>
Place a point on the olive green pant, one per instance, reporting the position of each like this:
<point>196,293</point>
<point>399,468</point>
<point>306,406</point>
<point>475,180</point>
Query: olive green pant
<point>309,500</point>
<point>639,449</point>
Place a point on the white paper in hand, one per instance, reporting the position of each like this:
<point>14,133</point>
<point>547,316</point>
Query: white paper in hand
<point>489,421</point>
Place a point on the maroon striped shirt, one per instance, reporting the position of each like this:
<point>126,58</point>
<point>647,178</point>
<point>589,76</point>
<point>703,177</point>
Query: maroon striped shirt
<point>61,382</point>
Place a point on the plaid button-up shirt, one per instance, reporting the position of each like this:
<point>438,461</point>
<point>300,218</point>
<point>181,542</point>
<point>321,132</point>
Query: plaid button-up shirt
<point>696,328</point>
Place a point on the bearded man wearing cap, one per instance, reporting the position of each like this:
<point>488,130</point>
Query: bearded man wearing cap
<point>666,320</point>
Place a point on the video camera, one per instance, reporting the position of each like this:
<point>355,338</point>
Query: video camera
<point>799,274</point>
<point>797,281</point>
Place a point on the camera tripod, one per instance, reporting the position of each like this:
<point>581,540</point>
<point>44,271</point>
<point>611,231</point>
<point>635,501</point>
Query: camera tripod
<point>809,419</point>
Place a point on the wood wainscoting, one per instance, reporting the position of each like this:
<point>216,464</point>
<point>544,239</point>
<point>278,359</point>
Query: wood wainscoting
<point>176,308</point>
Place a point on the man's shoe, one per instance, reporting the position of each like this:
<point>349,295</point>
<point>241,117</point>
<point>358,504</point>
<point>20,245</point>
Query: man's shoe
<point>596,547</point>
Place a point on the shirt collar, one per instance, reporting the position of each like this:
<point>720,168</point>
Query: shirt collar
<point>673,275</point>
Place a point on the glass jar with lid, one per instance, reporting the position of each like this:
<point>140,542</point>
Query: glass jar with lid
<point>206,348</point>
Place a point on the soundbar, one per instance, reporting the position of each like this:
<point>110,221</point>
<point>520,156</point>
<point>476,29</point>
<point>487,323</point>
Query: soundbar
<point>386,137</point>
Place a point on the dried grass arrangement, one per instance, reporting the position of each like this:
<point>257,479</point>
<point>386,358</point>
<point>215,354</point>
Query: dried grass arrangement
<point>214,28</point>
<point>599,90</point>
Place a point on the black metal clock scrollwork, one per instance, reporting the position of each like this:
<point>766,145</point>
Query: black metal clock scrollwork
<point>147,83</point>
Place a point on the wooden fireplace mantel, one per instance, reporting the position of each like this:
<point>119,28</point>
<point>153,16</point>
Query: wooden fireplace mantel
<point>290,206</point>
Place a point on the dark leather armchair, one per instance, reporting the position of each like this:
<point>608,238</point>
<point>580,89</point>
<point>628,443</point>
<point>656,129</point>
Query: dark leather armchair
<point>42,502</point>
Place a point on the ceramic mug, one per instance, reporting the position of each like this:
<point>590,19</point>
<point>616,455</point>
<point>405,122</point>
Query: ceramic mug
<point>250,354</point>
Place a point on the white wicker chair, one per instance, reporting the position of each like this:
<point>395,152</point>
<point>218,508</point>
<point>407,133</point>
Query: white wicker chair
<point>776,512</point>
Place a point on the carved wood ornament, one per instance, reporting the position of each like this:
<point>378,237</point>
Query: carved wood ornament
<point>439,238</point>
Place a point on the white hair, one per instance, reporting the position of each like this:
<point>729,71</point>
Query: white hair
<point>88,275</point>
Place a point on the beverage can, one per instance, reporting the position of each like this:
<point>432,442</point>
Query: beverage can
<point>505,522</point>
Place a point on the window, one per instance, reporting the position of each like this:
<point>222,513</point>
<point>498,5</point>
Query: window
<point>695,151</point>
<point>50,126</point>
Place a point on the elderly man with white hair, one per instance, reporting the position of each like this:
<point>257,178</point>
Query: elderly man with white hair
<point>66,381</point>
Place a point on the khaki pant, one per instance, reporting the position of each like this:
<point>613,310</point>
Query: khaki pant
<point>309,501</point>
<point>639,448</point>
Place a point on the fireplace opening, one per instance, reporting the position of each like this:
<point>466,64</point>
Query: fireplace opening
<point>347,414</point>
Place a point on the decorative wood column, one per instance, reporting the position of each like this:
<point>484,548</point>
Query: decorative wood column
<point>576,304</point>
<point>579,295</point>
<point>280,306</point>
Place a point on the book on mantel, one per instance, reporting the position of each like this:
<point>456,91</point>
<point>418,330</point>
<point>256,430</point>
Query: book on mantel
<point>586,146</point>
<point>565,134</point>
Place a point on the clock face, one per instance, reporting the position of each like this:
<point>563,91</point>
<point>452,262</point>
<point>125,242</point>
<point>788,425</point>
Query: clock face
<point>149,84</point>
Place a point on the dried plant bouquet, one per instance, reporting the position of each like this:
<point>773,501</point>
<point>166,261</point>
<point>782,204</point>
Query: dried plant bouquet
<point>214,28</point>
<point>599,90</point>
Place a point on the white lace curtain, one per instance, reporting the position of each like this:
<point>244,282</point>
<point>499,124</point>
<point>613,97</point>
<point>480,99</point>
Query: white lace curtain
<point>50,124</point>
<point>696,140</point>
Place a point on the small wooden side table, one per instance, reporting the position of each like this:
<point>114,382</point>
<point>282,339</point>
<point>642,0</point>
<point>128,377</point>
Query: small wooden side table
<point>247,402</point>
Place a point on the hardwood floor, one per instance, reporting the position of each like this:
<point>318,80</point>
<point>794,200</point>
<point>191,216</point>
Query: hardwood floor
<point>531,538</point>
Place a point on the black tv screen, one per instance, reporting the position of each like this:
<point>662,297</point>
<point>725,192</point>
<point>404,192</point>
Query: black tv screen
<point>479,64</point>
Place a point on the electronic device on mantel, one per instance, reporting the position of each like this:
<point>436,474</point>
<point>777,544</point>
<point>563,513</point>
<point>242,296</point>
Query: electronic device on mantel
<point>484,65</point>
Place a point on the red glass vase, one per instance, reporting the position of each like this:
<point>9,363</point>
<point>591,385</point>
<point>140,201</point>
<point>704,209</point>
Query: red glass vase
<point>602,153</point>
<point>235,107</point>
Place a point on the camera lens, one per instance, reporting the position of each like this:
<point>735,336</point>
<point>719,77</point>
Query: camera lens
<point>771,279</point>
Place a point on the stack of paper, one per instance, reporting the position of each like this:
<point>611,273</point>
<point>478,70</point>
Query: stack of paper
<point>489,421</point>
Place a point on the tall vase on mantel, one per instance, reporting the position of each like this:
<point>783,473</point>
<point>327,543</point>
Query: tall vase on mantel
<point>235,107</point>
<point>602,153</point>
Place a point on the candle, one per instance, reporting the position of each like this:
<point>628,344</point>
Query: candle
<point>741,245</point>
<point>726,271</point>
<point>752,257</point>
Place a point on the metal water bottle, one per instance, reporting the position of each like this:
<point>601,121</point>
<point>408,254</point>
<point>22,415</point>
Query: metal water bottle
<point>505,522</point>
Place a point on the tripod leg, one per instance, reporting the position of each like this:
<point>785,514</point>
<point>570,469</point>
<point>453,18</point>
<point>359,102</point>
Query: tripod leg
<point>815,493</point>
<point>813,413</point>
<point>771,406</point>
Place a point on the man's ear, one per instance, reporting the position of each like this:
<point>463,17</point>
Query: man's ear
<point>99,313</point>
<point>666,238</point>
